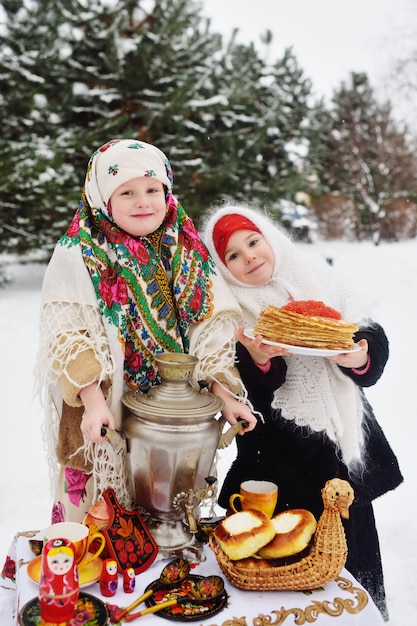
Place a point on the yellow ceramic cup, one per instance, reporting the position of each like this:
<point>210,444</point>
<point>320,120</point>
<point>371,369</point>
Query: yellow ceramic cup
<point>80,536</point>
<point>261,495</point>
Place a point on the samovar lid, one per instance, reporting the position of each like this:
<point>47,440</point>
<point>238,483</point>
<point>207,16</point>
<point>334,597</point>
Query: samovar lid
<point>174,397</point>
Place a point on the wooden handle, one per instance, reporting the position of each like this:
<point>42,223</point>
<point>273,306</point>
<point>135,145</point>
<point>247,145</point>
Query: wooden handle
<point>134,604</point>
<point>151,609</point>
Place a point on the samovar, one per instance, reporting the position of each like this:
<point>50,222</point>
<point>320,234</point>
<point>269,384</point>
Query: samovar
<point>172,436</point>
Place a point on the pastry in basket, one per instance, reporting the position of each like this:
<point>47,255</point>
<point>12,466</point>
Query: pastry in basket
<point>242,534</point>
<point>293,532</point>
<point>307,323</point>
<point>253,562</point>
<point>322,564</point>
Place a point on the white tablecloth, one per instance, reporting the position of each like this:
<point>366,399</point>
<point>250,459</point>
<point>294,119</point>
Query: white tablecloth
<point>344,600</point>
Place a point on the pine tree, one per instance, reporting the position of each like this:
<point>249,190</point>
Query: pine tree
<point>257,112</point>
<point>42,181</point>
<point>74,75</point>
<point>285,107</point>
<point>358,152</point>
<point>167,90</point>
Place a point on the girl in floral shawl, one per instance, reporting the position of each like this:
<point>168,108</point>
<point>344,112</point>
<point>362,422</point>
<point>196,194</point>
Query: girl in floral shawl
<point>130,279</point>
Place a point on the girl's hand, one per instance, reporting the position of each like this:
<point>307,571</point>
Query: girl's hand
<point>97,413</point>
<point>353,359</point>
<point>260,352</point>
<point>234,410</point>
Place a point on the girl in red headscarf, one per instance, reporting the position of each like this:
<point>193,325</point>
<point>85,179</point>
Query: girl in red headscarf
<point>316,422</point>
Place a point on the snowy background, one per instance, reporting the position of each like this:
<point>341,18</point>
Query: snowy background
<point>384,276</point>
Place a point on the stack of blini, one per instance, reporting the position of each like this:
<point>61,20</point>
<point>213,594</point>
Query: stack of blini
<point>317,327</point>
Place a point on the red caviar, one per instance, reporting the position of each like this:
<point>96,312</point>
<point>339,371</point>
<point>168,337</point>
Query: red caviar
<point>312,307</point>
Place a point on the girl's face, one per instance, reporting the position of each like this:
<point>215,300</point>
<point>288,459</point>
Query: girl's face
<point>138,206</point>
<point>249,257</point>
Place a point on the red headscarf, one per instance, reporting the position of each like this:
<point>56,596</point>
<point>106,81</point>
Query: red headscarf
<point>226,226</point>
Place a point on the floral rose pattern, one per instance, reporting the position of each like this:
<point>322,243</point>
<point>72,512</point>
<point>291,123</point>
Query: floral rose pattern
<point>113,288</point>
<point>75,482</point>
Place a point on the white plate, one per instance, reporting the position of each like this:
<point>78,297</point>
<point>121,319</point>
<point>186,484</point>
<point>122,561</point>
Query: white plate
<point>248,332</point>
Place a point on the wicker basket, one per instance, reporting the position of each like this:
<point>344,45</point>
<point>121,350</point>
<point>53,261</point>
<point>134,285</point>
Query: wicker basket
<point>322,564</point>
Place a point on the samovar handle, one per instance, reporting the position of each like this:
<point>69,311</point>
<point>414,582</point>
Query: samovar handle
<point>116,438</point>
<point>227,437</point>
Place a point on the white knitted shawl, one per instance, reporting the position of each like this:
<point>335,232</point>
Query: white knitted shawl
<point>316,393</point>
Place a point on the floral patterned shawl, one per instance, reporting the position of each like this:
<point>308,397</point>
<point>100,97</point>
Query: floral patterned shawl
<point>150,288</point>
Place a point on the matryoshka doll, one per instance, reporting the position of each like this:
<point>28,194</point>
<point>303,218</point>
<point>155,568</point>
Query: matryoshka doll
<point>129,580</point>
<point>109,578</point>
<point>58,583</point>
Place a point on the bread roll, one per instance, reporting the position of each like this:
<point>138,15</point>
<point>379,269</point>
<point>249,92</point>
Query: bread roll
<point>244,533</point>
<point>293,532</point>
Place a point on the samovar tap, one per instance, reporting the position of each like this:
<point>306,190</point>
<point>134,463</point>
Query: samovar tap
<point>190,500</point>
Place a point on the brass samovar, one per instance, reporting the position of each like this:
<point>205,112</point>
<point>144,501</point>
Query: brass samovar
<point>172,437</point>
